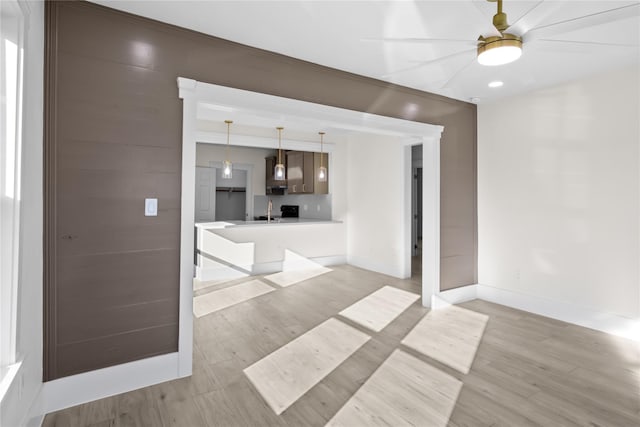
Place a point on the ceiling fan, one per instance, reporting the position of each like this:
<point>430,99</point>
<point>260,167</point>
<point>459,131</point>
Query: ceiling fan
<point>503,43</point>
<point>501,48</point>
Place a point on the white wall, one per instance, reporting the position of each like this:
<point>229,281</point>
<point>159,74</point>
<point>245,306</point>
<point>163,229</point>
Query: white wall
<point>376,175</point>
<point>25,389</point>
<point>339,179</point>
<point>558,193</point>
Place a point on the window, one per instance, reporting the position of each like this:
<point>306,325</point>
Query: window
<point>11,71</point>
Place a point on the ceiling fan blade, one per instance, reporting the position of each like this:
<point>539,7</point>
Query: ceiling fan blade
<point>457,73</point>
<point>489,30</point>
<point>514,25</point>
<point>418,40</point>
<point>576,47</point>
<point>430,62</point>
<point>586,21</point>
<point>586,43</point>
<point>483,8</point>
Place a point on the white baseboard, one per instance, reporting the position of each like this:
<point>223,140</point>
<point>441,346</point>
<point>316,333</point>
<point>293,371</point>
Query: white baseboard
<point>86,387</point>
<point>566,312</point>
<point>266,268</point>
<point>454,296</point>
<point>327,261</point>
<point>223,272</point>
<point>367,264</point>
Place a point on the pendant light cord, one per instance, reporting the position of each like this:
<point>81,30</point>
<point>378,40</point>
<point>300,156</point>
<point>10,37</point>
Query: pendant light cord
<point>228,122</point>
<point>321,144</point>
<point>279,144</point>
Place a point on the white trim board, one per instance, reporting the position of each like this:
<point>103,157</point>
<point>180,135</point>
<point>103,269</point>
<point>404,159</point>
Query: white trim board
<point>259,109</point>
<point>218,138</point>
<point>209,274</point>
<point>570,313</point>
<point>35,415</point>
<point>454,296</point>
<point>89,386</point>
<point>601,321</point>
<point>274,267</point>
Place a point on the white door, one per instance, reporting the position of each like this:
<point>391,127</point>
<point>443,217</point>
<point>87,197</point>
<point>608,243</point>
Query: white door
<point>205,194</point>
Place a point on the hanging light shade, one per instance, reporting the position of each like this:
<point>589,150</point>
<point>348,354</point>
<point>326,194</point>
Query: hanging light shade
<point>279,172</point>
<point>322,171</point>
<point>227,166</point>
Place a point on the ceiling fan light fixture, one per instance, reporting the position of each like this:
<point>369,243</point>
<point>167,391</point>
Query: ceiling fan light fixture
<point>494,51</point>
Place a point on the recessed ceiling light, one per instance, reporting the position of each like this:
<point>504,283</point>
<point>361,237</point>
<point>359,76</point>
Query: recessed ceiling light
<point>496,84</point>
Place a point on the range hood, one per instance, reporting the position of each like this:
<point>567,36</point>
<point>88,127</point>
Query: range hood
<point>276,190</point>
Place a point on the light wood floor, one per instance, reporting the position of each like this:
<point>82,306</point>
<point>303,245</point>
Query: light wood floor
<point>528,370</point>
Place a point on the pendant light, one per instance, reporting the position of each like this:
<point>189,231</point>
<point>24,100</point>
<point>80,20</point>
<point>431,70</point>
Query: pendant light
<point>322,171</point>
<point>279,173</point>
<point>227,166</point>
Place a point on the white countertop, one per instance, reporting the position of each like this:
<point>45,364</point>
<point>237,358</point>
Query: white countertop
<point>264,223</point>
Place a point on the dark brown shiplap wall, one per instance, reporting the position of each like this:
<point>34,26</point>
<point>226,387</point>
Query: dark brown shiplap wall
<point>113,126</point>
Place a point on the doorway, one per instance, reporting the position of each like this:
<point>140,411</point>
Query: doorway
<point>231,197</point>
<point>218,199</point>
<point>255,108</point>
<point>416,212</point>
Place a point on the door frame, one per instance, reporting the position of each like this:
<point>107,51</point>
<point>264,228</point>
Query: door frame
<point>414,210</point>
<point>250,104</point>
<point>248,207</point>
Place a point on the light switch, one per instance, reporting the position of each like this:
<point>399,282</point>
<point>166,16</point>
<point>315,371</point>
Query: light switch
<point>150,207</point>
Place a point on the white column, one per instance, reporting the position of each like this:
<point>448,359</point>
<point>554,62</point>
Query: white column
<point>430,220</point>
<point>187,90</point>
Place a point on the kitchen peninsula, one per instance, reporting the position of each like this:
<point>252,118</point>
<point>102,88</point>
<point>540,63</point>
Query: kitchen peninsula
<point>234,237</point>
<point>229,249</point>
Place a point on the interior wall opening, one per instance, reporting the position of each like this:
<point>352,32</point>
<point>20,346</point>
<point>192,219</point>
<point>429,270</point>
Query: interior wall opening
<point>416,211</point>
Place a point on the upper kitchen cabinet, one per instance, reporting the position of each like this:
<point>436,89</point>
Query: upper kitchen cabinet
<point>301,173</point>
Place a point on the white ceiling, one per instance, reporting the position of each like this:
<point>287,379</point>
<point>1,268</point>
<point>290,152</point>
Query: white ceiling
<point>347,35</point>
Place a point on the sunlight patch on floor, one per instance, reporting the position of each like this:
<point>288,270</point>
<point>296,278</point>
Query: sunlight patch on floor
<point>285,375</point>
<point>380,308</point>
<point>223,298</point>
<point>450,335</point>
<point>402,391</point>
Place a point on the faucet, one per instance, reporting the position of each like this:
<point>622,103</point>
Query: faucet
<point>269,209</point>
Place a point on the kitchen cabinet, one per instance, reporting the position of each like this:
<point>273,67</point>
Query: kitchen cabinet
<point>301,173</point>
